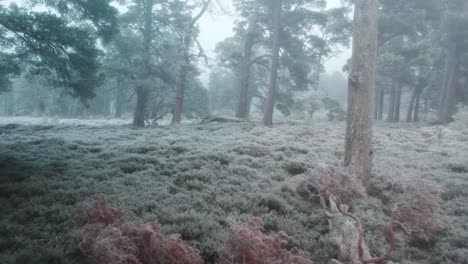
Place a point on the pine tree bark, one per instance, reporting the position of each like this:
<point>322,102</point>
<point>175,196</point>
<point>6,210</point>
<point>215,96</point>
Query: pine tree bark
<point>381,104</point>
<point>413,106</point>
<point>447,97</point>
<point>409,114</point>
<point>185,65</point>
<point>273,84</point>
<point>243,110</point>
<point>358,139</point>
<point>417,105</point>
<point>119,99</point>
<point>180,83</point>
<point>376,104</point>
<point>398,103</point>
<point>391,103</point>
<point>142,92</point>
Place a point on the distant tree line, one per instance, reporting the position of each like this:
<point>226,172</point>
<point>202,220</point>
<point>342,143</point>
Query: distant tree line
<point>84,58</point>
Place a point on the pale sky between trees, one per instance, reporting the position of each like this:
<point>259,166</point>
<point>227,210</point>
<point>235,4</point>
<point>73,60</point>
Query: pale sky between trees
<point>217,26</point>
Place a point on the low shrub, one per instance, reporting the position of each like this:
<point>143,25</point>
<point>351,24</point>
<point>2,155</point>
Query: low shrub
<point>247,244</point>
<point>110,235</point>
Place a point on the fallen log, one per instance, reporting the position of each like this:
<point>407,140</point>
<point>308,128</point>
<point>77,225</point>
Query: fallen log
<point>221,119</point>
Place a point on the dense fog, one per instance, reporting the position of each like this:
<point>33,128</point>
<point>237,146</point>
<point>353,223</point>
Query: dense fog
<point>234,131</point>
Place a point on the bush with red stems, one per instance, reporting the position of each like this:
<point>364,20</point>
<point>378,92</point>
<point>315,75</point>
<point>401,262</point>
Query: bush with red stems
<point>415,210</point>
<point>111,236</point>
<point>341,182</point>
<point>247,244</point>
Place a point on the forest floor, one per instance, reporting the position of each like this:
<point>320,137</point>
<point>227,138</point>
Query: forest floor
<point>197,179</point>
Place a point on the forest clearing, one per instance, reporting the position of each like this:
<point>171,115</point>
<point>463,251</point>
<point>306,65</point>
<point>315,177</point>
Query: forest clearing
<point>234,131</point>
<point>195,180</point>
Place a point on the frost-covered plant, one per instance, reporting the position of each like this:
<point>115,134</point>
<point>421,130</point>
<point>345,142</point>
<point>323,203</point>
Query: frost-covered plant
<point>110,236</point>
<point>247,244</point>
<point>460,119</point>
<point>417,207</point>
<point>415,211</point>
<point>341,182</point>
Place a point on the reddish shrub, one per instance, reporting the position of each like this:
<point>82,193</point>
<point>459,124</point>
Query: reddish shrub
<point>247,244</point>
<point>110,236</point>
<point>341,182</point>
<point>418,207</point>
<point>99,212</point>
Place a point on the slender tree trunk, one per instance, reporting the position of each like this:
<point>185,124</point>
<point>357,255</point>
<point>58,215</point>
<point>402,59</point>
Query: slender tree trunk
<point>376,103</point>
<point>358,140</point>
<point>142,91</point>
<point>381,103</point>
<point>414,101</point>
<point>391,104</point>
<point>448,100</point>
<point>447,97</point>
<point>181,80</point>
<point>119,100</point>
<point>244,100</point>
<point>409,114</point>
<point>416,105</point>
<point>184,66</point>
<point>398,103</point>
<point>273,85</point>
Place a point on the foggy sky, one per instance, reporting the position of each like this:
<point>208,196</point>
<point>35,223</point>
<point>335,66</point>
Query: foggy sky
<point>217,25</point>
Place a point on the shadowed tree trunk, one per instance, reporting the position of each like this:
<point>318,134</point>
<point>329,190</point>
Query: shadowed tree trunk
<point>417,105</point>
<point>391,103</point>
<point>273,85</point>
<point>244,100</point>
<point>181,80</point>
<point>118,99</point>
<point>185,65</point>
<point>447,97</point>
<point>358,140</point>
<point>142,91</point>
<point>376,104</point>
<point>381,104</point>
<point>398,103</point>
<point>409,114</point>
<point>141,110</point>
<point>414,101</point>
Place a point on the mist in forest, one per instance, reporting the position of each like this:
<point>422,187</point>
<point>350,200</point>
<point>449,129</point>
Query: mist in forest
<point>234,131</point>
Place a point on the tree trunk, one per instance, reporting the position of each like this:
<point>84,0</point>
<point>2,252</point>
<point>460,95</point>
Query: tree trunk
<point>413,107</point>
<point>391,104</point>
<point>273,84</point>
<point>376,104</point>
<point>184,66</point>
<point>409,114</point>
<point>244,100</point>
<point>416,105</point>
<point>398,103</point>
<point>181,80</point>
<point>119,100</point>
<point>358,140</point>
<point>381,104</point>
<point>142,91</point>
<point>141,106</point>
<point>447,97</point>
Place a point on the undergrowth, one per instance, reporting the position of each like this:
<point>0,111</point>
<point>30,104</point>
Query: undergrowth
<point>195,180</point>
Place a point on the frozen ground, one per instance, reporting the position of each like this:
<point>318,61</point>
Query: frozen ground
<point>196,179</point>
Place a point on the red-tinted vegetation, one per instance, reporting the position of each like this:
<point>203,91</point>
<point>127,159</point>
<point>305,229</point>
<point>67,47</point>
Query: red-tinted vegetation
<point>110,236</point>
